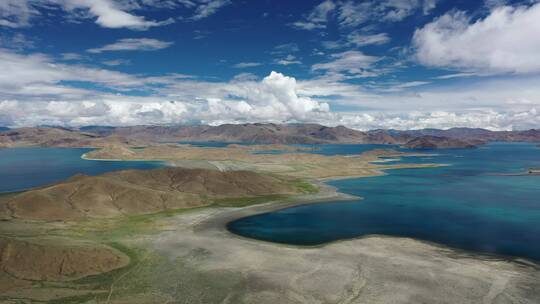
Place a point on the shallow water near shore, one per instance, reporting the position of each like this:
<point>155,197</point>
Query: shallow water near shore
<point>466,205</point>
<point>25,168</point>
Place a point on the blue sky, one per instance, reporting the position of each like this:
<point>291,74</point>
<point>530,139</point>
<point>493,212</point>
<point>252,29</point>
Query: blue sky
<point>364,64</point>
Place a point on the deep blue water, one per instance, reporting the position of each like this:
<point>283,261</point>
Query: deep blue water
<point>24,168</point>
<point>465,205</point>
<point>325,149</point>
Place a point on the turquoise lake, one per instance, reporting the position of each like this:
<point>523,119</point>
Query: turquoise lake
<point>467,205</point>
<point>24,168</point>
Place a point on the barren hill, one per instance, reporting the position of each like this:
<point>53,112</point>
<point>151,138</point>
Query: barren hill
<point>56,137</point>
<point>262,133</point>
<point>437,142</point>
<point>138,192</point>
<point>253,133</point>
<point>55,260</point>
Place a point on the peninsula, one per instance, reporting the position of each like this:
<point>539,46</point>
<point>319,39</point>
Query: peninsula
<point>148,236</point>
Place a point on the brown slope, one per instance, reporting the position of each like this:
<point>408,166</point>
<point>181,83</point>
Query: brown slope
<point>139,192</point>
<point>44,136</point>
<point>437,142</point>
<point>55,259</point>
<point>281,134</point>
<point>249,132</point>
<point>56,137</point>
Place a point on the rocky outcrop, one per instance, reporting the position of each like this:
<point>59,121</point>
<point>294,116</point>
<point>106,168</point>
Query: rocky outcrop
<point>436,142</point>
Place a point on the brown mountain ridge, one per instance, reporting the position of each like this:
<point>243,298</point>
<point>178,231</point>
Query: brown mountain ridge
<point>260,133</point>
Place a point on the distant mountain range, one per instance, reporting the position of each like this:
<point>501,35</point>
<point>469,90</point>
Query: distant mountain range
<point>261,133</point>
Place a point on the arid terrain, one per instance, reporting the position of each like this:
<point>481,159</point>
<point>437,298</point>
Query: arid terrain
<point>260,133</point>
<point>237,157</point>
<point>159,236</point>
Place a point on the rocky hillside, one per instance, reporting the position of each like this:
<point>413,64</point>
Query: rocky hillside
<point>437,142</point>
<point>261,133</point>
<point>57,137</point>
<point>139,192</point>
<point>252,133</point>
<point>468,134</point>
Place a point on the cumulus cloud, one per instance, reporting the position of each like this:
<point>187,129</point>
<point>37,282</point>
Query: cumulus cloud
<point>133,44</point>
<point>34,90</point>
<point>505,41</point>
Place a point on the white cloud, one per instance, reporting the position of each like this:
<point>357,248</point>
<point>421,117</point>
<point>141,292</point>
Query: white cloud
<point>34,89</point>
<point>275,98</point>
<point>105,13</point>
<point>397,10</point>
<point>15,13</point>
<point>487,119</point>
<point>349,63</point>
<point>505,41</point>
<point>286,48</point>
<point>209,7</point>
<point>318,17</point>
<point>457,75</point>
<point>133,44</point>
<point>350,14</point>
<point>333,44</point>
<point>22,74</point>
<point>398,87</point>
<point>243,77</point>
<point>71,56</point>
<point>429,5</point>
<point>109,15</point>
<point>288,60</point>
<point>360,39</point>
<point>16,41</point>
<point>243,65</point>
<point>116,62</point>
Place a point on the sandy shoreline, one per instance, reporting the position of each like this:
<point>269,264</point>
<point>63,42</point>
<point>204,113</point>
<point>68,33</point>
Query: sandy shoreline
<point>367,269</point>
<point>328,194</point>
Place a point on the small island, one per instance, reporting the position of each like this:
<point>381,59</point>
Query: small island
<point>439,142</point>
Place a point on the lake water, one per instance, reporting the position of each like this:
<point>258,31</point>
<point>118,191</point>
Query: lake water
<point>465,205</point>
<point>24,168</point>
<point>324,149</point>
<point>332,149</point>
